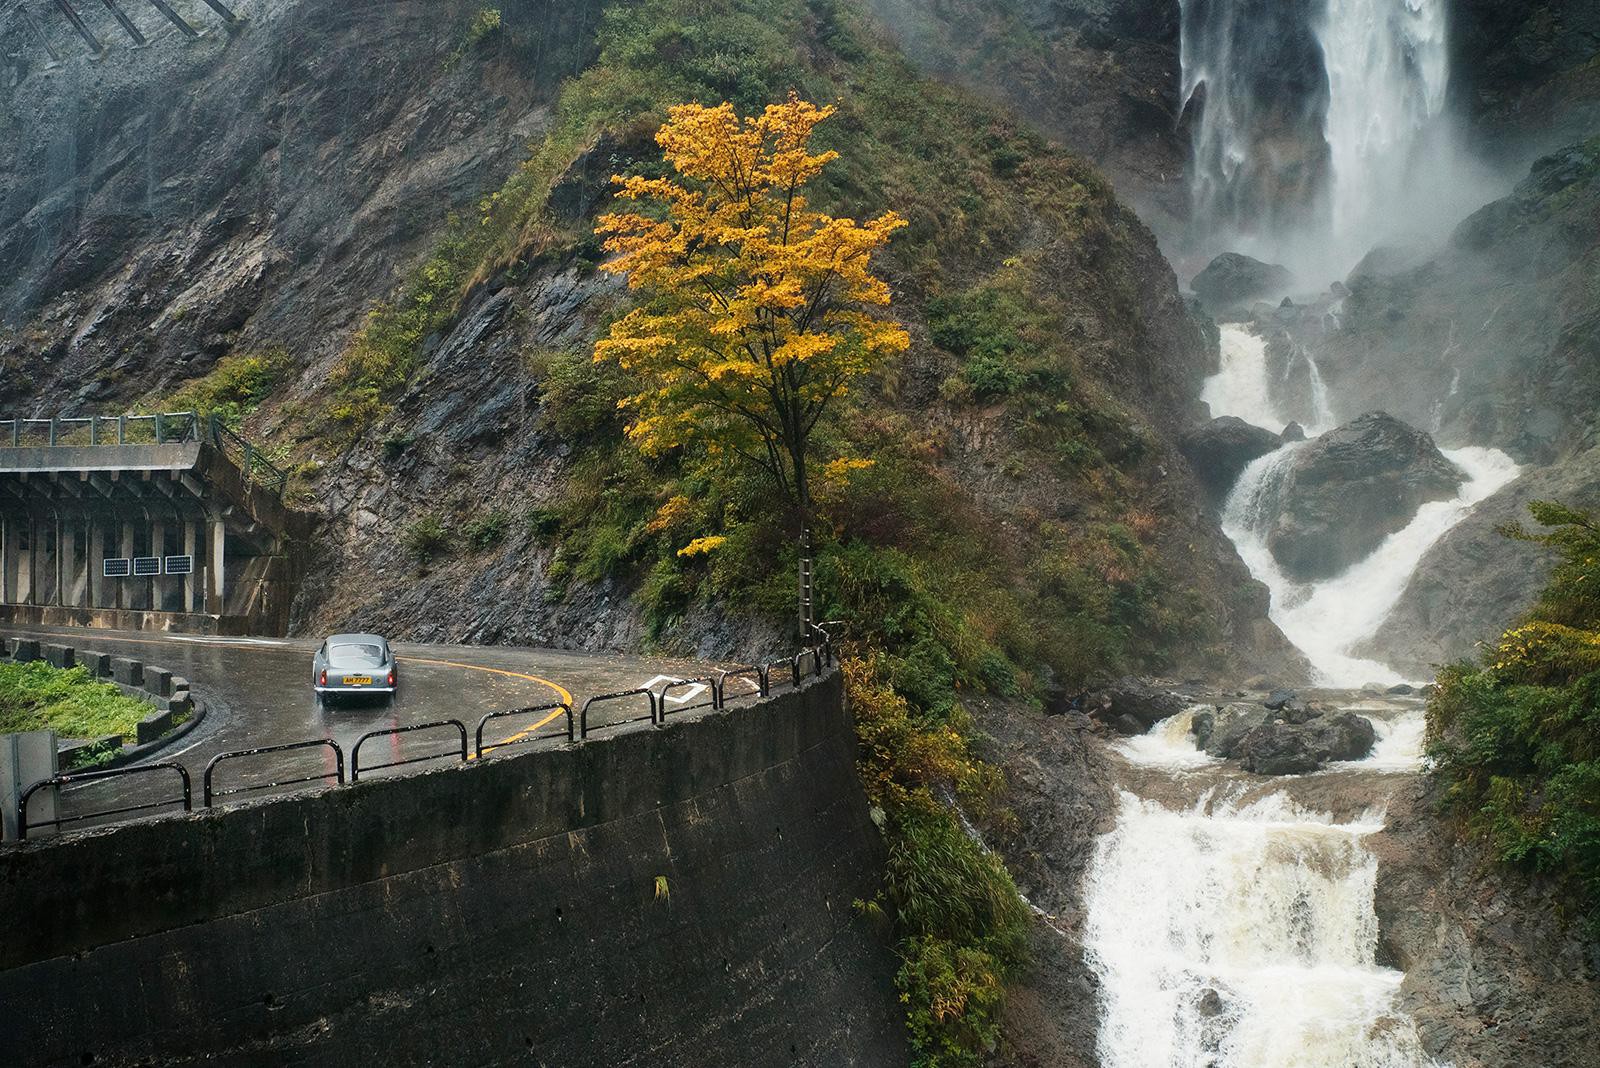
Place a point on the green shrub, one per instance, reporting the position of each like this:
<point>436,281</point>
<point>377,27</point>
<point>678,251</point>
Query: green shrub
<point>486,531</point>
<point>426,538</point>
<point>234,388</point>
<point>1516,738</point>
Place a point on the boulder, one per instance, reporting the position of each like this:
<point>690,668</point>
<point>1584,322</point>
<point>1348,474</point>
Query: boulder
<point>1232,282</point>
<point>1293,739</point>
<point>1223,448</point>
<point>1133,706</point>
<point>1344,493</point>
<point>1293,432</point>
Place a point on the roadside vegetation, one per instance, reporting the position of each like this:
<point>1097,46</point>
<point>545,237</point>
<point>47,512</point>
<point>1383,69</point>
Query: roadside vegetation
<point>37,696</point>
<point>1516,736</point>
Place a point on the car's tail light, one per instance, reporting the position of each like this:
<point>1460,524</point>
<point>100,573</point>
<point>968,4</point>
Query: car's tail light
<point>391,676</point>
<point>322,679</point>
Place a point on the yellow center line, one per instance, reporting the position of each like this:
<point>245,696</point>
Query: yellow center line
<point>566,695</point>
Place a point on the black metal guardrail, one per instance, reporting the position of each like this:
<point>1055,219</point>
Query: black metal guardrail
<point>756,674</point>
<point>91,776</point>
<point>210,795</point>
<point>389,732</point>
<point>583,715</point>
<point>560,707</point>
<point>812,661</point>
<point>711,684</point>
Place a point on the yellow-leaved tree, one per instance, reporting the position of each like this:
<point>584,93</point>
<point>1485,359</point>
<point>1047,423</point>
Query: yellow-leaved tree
<point>758,310</point>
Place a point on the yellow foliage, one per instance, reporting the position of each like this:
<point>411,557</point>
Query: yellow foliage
<point>671,514</point>
<point>759,310</point>
<point>701,546</point>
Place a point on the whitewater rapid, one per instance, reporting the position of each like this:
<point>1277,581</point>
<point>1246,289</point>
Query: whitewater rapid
<point>1328,620</point>
<point>1228,935</point>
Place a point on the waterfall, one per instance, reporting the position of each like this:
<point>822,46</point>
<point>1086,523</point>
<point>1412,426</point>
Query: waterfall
<point>1320,129</point>
<point>1327,619</point>
<point>1388,69</point>
<point>1242,386</point>
<point>1232,936</point>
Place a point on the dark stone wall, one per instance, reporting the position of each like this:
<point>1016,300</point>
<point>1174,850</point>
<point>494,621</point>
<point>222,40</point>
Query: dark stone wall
<point>509,911</point>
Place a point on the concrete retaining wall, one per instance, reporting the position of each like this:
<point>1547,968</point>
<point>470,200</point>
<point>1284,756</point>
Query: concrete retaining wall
<point>671,896</point>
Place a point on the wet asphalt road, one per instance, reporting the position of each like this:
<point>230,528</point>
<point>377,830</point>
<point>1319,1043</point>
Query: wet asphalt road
<point>258,693</point>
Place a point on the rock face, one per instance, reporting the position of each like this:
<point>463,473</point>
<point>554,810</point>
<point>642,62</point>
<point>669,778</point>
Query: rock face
<point>1232,282</point>
<point>1224,447</point>
<point>1350,489</point>
<point>1495,978</point>
<point>154,217</point>
<point>1292,739</point>
<point>1475,582</point>
<point>1489,339</point>
<point>1059,786</point>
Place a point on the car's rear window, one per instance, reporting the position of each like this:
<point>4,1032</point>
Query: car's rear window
<point>371,654</point>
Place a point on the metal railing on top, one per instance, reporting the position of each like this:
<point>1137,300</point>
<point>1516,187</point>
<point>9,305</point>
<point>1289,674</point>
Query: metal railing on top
<point>257,469</point>
<point>161,428</point>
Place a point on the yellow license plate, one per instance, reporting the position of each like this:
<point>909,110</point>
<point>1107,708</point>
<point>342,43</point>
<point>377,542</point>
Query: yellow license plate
<point>358,680</point>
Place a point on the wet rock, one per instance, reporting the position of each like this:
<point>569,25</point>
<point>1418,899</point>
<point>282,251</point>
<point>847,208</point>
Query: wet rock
<point>1278,698</point>
<point>1293,432</point>
<point>1223,448</point>
<point>1133,706</point>
<point>1230,726</point>
<point>1201,726</point>
<point>1231,282</point>
<point>1402,688</point>
<point>1210,1004</point>
<point>1350,489</point>
<point>1293,739</point>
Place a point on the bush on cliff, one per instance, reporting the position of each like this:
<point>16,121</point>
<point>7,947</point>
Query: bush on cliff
<point>960,926</point>
<point>1516,737</point>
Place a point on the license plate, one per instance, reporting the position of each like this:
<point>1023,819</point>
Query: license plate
<point>358,680</point>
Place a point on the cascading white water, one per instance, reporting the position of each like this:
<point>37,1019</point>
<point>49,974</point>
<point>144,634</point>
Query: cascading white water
<point>1328,619</point>
<point>1241,937</point>
<point>1242,386</point>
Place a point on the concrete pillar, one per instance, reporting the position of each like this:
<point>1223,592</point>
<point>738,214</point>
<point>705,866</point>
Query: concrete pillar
<point>125,585</point>
<point>95,557</point>
<point>216,595</point>
<point>31,556</point>
<point>8,559</point>
<point>158,547</point>
<point>191,547</point>
<point>70,562</point>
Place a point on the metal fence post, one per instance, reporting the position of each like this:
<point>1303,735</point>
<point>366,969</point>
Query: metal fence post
<point>54,423</point>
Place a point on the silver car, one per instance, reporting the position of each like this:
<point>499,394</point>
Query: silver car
<point>353,664</point>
